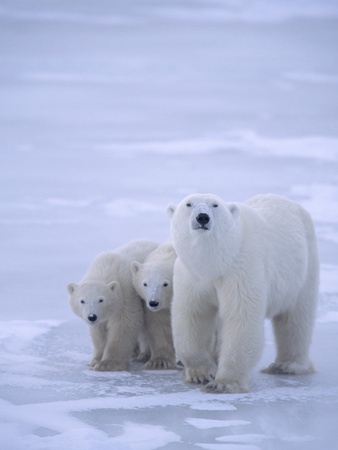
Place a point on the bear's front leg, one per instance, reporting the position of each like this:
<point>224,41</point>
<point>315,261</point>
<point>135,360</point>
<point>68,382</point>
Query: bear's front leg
<point>194,340</point>
<point>122,334</point>
<point>98,335</point>
<point>241,343</point>
<point>141,352</point>
<point>159,336</point>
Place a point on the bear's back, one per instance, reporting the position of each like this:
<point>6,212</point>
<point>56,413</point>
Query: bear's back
<point>282,224</point>
<point>103,268</point>
<point>115,265</point>
<point>278,209</point>
<point>137,250</point>
<point>288,244</point>
<point>164,254</point>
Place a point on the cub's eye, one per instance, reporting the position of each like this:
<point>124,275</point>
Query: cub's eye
<point>82,301</point>
<point>101,300</point>
<point>145,284</point>
<point>215,205</point>
<point>165,284</point>
<point>189,205</point>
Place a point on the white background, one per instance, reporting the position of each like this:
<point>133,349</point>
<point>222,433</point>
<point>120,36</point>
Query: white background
<point>109,111</point>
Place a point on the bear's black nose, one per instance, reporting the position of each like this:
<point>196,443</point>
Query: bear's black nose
<point>92,317</point>
<point>203,219</point>
<point>153,303</point>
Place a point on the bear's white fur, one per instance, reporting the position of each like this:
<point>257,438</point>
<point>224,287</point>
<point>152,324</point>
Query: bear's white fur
<point>237,264</point>
<point>107,301</point>
<point>153,281</point>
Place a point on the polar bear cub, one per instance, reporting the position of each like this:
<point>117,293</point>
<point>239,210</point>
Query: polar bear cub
<point>237,264</point>
<point>107,301</point>
<point>153,281</point>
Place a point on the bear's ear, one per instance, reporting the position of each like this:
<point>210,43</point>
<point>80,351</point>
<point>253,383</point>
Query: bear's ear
<point>135,267</point>
<point>234,209</point>
<point>71,288</point>
<point>112,285</point>
<point>171,208</point>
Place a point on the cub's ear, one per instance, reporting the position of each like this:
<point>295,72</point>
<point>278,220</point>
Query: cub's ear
<point>234,209</point>
<point>71,288</point>
<point>171,208</point>
<point>112,285</point>
<point>135,267</point>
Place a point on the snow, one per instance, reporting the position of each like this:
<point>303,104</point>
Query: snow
<point>111,110</point>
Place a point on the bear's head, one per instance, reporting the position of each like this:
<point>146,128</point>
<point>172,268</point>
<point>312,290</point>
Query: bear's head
<point>153,283</point>
<point>94,301</point>
<point>205,232</point>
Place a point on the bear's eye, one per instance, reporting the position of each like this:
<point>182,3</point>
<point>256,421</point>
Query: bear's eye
<point>189,205</point>
<point>215,205</point>
<point>101,300</point>
<point>165,284</point>
<point>145,284</point>
<point>82,301</point>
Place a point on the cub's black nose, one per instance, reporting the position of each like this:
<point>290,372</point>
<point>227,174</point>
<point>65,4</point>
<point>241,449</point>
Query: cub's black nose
<point>153,303</point>
<point>92,317</point>
<point>203,219</point>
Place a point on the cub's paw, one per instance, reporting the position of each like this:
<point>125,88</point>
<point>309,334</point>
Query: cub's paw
<point>142,357</point>
<point>289,368</point>
<point>93,363</point>
<point>109,366</point>
<point>198,376</point>
<point>225,387</point>
<point>159,364</point>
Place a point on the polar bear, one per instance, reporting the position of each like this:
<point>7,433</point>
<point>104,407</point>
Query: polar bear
<point>238,263</point>
<point>153,280</point>
<point>107,301</point>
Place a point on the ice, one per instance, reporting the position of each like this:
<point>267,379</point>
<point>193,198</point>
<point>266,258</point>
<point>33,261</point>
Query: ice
<point>248,438</point>
<point>109,111</point>
<point>205,423</point>
<point>228,447</point>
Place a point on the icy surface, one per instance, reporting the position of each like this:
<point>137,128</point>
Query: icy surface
<point>109,111</point>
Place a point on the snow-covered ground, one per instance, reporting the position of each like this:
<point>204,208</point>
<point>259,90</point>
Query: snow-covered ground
<point>109,111</point>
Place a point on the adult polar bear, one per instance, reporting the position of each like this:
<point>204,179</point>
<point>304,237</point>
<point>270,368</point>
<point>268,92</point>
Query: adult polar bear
<point>237,264</point>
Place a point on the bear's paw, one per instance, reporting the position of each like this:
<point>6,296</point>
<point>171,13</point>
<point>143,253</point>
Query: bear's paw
<point>159,364</point>
<point>225,387</point>
<point>93,363</point>
<point>141,357</point>
<point>289,368</point>
<point>110,366</point>
<point>198,376</point>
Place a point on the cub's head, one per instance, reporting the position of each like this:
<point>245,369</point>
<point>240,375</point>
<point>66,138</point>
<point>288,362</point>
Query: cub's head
<point>153,283</point>
<point>93,301</point>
